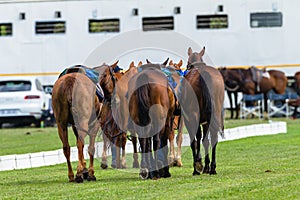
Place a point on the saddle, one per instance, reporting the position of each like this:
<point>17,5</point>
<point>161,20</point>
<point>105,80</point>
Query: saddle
<point>257,75</point>
<point>168,72</point>
<point>90,73</point>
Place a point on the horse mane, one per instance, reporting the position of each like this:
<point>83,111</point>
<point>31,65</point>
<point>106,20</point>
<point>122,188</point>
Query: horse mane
<point>150,66</point>
<point>198,64</point>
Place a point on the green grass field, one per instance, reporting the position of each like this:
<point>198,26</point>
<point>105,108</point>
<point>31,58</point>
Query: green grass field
<point>265,167</point>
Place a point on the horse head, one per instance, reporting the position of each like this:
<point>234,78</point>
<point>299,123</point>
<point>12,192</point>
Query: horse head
<point>194,57</point>
<point>107,78</point>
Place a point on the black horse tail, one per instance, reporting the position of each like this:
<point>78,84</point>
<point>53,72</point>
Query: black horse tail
<point>210,112</point>
<point>143,94</point>
<point>207,105</point>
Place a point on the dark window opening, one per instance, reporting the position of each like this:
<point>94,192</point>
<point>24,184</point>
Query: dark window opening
<point>104,25</point>
<point>267,19</point>
<point>212,21</point>
<point>6,29</point>
<point>158,23</point>
<point>50,27</point>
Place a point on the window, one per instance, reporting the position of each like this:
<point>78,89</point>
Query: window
<point>39,85</point>
<point>212,21</point>
<point>104,25</point>
<point>158,23</point>
<point>5,29</point>
<point>14,86</point>
<point>50,27</point>
<point>267,19</point>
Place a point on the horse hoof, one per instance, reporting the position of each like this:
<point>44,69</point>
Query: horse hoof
<point>196,173</point>
<point>144,173</point>
<point>171,161</point>
<point>198,166</point>
<point>91,178</point>
<point>167,174</point>
<point>71,178</point>
<point>79,179</point>
<point>154,175</point>
<point>213,172</point>
<point>114,166</point>
<point>85,174</point>
<point>206,170</point>
<point>179,163</point>
<point>103,165</point>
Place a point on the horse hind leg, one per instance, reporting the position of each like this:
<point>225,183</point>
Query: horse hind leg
<point>198,161</point>
<point>63,134</point>
<point>103,164</point>
<point>171,158</point>
<point>205,143</point>
<point>91,151</point>
<point>198,167</point>
<point>214,142</point>
<point>81,162</point>
<point>123,142</point>
<point>135,153</point>
<point>179,143</point>
<point>85,170</point>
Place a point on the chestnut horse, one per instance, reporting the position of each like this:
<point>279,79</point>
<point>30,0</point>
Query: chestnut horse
<point>74,101</point>
<point>208,86</point>
<point>232,87</point>
<point>296,86</point>
<point>120,108</point>
<point>175,156</point>
<point>112,134</point>
<point>115,118</point>
<point>245,81</point>
<point>151,108</point>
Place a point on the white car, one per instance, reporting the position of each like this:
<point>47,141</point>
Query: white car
<point>23,101</point>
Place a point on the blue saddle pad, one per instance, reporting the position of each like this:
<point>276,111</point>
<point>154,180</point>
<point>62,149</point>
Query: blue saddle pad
<point>90,73</point>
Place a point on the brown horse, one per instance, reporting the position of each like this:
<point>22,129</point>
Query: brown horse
<point>74,101</point>
<point>296,102</point>
<point>151,107</point>
<point>208,87</point>
<point>232,87</point>
<point>112,135</point>
<point>175,156</point>
<point>115,118</point>
<point>297,82</point>
<point>252,81</point>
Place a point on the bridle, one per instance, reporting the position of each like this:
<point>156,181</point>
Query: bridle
<point>107,98</point>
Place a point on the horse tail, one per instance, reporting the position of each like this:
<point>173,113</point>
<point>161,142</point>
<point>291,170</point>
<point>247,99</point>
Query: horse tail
<point>143,94</point>
<point>214,117</point>
<point>68,90</point>
<point>207,106</point>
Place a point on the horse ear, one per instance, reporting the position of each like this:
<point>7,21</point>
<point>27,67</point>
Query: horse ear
<point>113,66</point>
<point>179,64</point>
<point>131,64</point>
<point>202,52</point>
<point>148,61</point>
<point>166,62</point>
<point>190,51</point>
<point>171,63</point>
<point>140,64</point>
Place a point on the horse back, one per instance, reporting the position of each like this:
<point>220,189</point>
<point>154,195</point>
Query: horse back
<point>208,85</point>
<point>74,93</point>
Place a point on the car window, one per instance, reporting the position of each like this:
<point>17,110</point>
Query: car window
<point>38,85</point>
<point>13,86</point>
